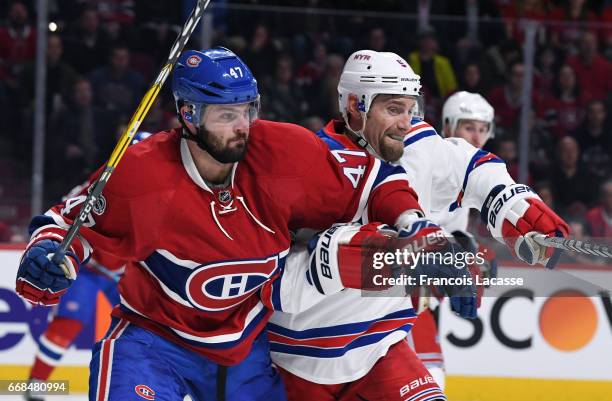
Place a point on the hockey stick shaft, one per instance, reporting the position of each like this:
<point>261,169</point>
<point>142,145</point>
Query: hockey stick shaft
<point>574,245</point>
<point>131,129</point>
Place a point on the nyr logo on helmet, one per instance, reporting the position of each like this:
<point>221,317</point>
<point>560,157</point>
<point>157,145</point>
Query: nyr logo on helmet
<point>194,61</point>
<point>220,286</point>
<point>364,57</point>
<point>145,392</point>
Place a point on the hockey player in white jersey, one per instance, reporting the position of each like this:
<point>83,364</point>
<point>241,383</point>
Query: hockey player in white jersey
<point>350,347</point>
<point>468,116</point>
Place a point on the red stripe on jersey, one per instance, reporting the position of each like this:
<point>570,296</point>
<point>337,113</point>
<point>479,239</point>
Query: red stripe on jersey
<point>342,341</point>
<point>484,159</point>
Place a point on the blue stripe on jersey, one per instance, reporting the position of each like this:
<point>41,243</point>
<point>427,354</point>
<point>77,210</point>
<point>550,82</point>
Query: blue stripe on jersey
<point>51,354</point>
<point>386,170</point>
<point>276,294</point>
<point>173,276</point>
<point>419,136</point>
<point>317,352</point>
<point>331,142</point>
<point>339,330</point>
<point>39,221</point>
<point>480,157</point>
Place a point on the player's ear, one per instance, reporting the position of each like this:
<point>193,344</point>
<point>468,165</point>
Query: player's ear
<point>185,114</point>
<point>352,110</point>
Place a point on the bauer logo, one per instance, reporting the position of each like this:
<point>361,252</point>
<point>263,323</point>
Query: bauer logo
<point>224,285</point>
<point>194,61</point>
<point>145,392</point>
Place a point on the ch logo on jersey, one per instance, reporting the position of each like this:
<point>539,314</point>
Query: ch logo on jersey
<point>224,285</point>
<point>145,392</point>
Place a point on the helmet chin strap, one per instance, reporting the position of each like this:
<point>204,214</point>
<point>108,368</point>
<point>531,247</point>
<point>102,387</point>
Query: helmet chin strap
<point>359,137</point>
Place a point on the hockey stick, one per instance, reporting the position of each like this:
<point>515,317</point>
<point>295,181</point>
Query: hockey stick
<point>574,245</point>
<point>130,131</point>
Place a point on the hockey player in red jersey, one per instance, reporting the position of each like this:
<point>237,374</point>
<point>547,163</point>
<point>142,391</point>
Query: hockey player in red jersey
<point>204,226</point>
<point>350,347</point>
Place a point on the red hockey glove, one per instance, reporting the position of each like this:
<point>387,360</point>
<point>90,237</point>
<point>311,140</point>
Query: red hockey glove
<point>514,214</point>
<point>339,253</point>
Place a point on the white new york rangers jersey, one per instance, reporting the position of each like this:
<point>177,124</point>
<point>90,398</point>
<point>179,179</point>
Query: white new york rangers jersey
<point>338,338</point>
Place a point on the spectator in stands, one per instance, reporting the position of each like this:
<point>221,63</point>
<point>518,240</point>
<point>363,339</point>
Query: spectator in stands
<point>545,190</point>
<point>261,54</point>
<point>117,87</point>
<point>541,149</point>
<point>574,188</point>
<point>435,70</point>
<point>501,57</point>
<point>545,72</point>
<point>592,70</point>
<point>595,139</point>
<point>283,98</point>
<point>578,228</point>
<point>310,75</point>
<point>116,16</point>
<point>327,105</point>
<point>567,36</point>
<point>17,44</point>
<point>506,149</point>
<point>377,40</point>
<point>515,16</point>
<point>479,27</point>
<point>60,78</point>
<point>159,118</point>
<point>437,74</point>
<point>83,139</point>
<point>87,45</point>
<point>599,218</point>
<point>508,98</point>
<point>562,112</point>
<point>471,79</point>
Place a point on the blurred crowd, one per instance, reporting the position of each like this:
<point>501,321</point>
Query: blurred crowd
<point>103,54</point>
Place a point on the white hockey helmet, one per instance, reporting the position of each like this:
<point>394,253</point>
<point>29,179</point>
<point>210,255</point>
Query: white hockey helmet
<point>368,73</point>
<point>467,106</point>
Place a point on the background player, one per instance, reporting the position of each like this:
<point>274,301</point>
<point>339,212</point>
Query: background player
<point>351,347</point>
<point>204,226</point>
<point>470,117</point>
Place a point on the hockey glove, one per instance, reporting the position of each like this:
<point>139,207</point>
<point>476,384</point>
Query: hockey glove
<point>39,280</point>
<point>514,214</point>
<point>341,254</point>
<point>441,265</point>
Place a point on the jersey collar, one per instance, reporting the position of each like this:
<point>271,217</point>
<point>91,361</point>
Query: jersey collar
<point>192,170</point>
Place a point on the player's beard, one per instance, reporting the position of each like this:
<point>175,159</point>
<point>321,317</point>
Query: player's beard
<point>221,152</point>
<point>390,151</point>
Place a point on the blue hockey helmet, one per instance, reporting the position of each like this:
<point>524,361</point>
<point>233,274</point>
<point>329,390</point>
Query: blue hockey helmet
<point>214,76</point>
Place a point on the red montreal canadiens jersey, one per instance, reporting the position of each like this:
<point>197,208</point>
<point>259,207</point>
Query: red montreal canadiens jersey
<point>203,264</point>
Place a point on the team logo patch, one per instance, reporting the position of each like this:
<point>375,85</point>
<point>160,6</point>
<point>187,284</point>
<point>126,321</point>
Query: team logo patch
<point>100,206</point>
<point>220,286</point>
<point>145,392</point>
<point>194,61</point>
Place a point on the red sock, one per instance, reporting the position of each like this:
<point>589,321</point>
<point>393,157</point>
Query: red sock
<point>54,343</point>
